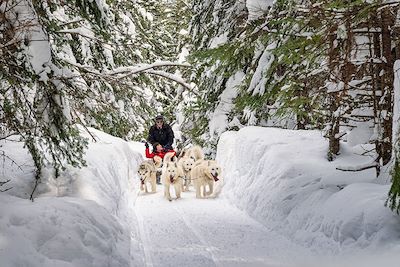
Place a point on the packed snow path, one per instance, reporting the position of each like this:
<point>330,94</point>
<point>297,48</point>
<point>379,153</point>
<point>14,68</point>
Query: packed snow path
<point>206,232</point>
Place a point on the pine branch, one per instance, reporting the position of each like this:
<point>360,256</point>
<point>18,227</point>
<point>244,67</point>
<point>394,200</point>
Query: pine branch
<point>84,126</point>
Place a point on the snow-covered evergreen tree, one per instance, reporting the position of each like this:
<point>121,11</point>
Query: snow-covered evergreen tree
<point>93,63</point>
<point>305,64</point>
<point>214,23</point>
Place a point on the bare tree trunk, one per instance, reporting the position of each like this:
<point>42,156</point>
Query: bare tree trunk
<point>304,119</point>
<point>333,98</point>
<point>384,144</point>
<point>342,68</point>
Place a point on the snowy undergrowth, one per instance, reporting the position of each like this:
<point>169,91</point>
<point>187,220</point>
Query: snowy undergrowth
<point>82,218</point>
<point>282,178</point>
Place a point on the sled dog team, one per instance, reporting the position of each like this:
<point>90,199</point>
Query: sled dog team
<point>179,173</point>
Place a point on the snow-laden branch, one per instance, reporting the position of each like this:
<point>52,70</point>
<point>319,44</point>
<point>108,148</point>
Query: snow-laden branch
<point>83,32</point>
<point>85,68</point>
<point>171,76</point>
<point>123,72</point>
<point>132,70</point>
<point>128,70</point>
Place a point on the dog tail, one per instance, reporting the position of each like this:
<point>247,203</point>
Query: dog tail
<point>168,157</point>
<point>196,152</point>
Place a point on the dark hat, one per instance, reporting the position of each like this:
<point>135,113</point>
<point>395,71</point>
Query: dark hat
<point>155,146</point>
<point>159,117</point>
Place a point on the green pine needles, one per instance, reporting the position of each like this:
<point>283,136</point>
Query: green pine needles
<point>86,46</point>
<point>393,201</point>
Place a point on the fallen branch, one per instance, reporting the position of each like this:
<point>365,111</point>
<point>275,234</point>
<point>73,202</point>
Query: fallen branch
<point>5,189</point>
<point>3,183</point>
<point>37,181</point>
<point>359,167</point>
<point>3,154</point>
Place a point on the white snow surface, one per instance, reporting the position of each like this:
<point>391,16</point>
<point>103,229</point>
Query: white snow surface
<point>219,121</point>
<point>257,84</point>
<point>82,218</point>
<point>360,134</point>
<point>257,8</point>
<point>277,204</point>
<point>27,27</point>
<point>282,179</point>
<point>219,40</point>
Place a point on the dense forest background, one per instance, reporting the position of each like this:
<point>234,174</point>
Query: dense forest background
<point>208,66</point>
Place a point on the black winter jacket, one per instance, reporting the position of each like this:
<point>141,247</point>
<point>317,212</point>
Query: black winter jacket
<point>164,136</point>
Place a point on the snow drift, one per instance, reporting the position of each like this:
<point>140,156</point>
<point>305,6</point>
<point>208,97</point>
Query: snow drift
<point>282,179</point>
<point>82,218</point>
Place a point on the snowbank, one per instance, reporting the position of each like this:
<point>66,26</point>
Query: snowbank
<point>282,178</point>
<point>257,8</point>
<point>83,218</point>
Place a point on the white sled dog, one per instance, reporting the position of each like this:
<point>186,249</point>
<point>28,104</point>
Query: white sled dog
<point>205,173</point>
<point>194,152</point>
<point>186,164</point>
<point>147,172</point>
<point>171,175</point>
<point>188,159</point>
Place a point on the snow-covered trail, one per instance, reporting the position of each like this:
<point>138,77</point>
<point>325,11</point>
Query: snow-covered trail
<point>207,232</point>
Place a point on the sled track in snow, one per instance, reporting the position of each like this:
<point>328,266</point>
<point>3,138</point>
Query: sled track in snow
<point>145,240</point>
<point>197,235</point>
<point>193,232</point>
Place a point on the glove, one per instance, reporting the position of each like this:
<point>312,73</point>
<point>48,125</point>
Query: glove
<point>146,145</point>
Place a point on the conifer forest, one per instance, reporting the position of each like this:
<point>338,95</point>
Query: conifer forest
<point>328,65</point>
